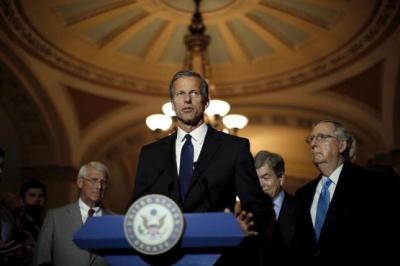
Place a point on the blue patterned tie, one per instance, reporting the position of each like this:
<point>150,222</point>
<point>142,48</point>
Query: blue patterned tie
<point>186,166</point>
<point>322,207</point>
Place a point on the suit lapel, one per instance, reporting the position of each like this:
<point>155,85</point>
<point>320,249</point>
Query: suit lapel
<point>210,146</point>
<point>74,215</point>
<point>309,197</point>
<point>166,165</point>
<point>342,191</point>
<point>73,219</point>
<point>171,153</point>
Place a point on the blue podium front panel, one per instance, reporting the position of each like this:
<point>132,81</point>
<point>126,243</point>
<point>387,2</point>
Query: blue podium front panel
<point>204,237</point>
<point>202,230</point>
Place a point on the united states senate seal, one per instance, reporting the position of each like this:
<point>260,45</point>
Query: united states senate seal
<point>153,224</point>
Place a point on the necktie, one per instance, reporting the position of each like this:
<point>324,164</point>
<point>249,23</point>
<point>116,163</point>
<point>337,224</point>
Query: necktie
<point>186,166</point>
<point>90,212</point>
<point>322,207</point>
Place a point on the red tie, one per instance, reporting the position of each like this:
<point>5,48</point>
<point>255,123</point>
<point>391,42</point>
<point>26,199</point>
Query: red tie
<point>90,212</point>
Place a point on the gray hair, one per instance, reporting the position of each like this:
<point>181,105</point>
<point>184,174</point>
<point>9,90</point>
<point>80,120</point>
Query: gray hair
<point>273,160</point>
<point>95,165</point>
<point>341,133</point>
<point>190,73</point>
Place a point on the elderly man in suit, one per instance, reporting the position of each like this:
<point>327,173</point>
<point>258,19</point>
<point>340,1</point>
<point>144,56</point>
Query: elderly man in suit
<point>55,245</point>
<point>348,213</point>
<point>200,168</point>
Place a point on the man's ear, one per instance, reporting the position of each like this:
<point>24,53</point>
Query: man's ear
<point>79,182</point>
<point>282,180</point>
<point>342,146</point>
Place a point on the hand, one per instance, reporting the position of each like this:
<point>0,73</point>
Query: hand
<point>245,221</point>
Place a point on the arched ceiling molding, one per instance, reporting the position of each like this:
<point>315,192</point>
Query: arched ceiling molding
<point>390,85</point>
<point>123,143</point>
<point>385,18</point>
<point>365,88</point>
<point>368,134</point>
<point>104,133</point>
<point>93,8</point>
<point>113,146</point>
<point>90,107</point>
<point>33,113</point>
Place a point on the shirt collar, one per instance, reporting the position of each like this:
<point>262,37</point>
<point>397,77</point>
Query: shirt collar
<point>334,177</point>
<point>279,198</point>
<point>198,134</point>
<point>85,208</point>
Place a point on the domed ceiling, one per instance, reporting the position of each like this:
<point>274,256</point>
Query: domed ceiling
<point>255,45</point>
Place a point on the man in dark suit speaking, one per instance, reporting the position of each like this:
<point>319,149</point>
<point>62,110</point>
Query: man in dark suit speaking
<point>201,169</point>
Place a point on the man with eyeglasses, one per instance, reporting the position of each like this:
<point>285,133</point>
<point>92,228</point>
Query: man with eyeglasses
<point>347,214</point>
<point>54,245</point>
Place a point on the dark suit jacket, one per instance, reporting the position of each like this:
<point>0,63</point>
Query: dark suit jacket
<point>286,219</point>
<point>55,245</point>
<point>359,222</point>
<point>224,170</point>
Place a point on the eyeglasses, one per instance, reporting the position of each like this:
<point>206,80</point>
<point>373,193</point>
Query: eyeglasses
<point>318,138</point>
<point>95,181</point>
<point>182,94</point>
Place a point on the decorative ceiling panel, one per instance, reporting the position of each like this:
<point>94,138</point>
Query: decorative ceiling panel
<point>105,31</point>
<point>218,48</point>
<point>140,43</point>
<point>285,32</point>
<point>251,42</point>
<point>316,13</point>
<point>174,53</point>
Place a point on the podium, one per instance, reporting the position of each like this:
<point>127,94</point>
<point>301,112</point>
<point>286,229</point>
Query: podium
<point>205,236</point>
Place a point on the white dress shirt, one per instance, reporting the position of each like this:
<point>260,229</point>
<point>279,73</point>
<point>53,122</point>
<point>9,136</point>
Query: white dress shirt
<point>334,177</point>
<point>198,136</point>
<point>85,208</point>
<point>278,201</point>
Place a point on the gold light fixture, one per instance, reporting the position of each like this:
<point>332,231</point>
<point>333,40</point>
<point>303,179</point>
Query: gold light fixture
<point>196,59</point>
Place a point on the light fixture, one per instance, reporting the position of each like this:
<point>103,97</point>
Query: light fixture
<point>196,59</point>
<point>167,109</point>
<point>158,122</point>
<point>234,122</point>
<point>218,108</point>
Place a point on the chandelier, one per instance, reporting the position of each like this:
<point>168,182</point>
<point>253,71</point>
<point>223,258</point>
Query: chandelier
<point>196,59</point>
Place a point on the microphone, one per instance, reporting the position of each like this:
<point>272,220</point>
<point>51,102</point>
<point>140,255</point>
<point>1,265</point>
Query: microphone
<point>195,166</point>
